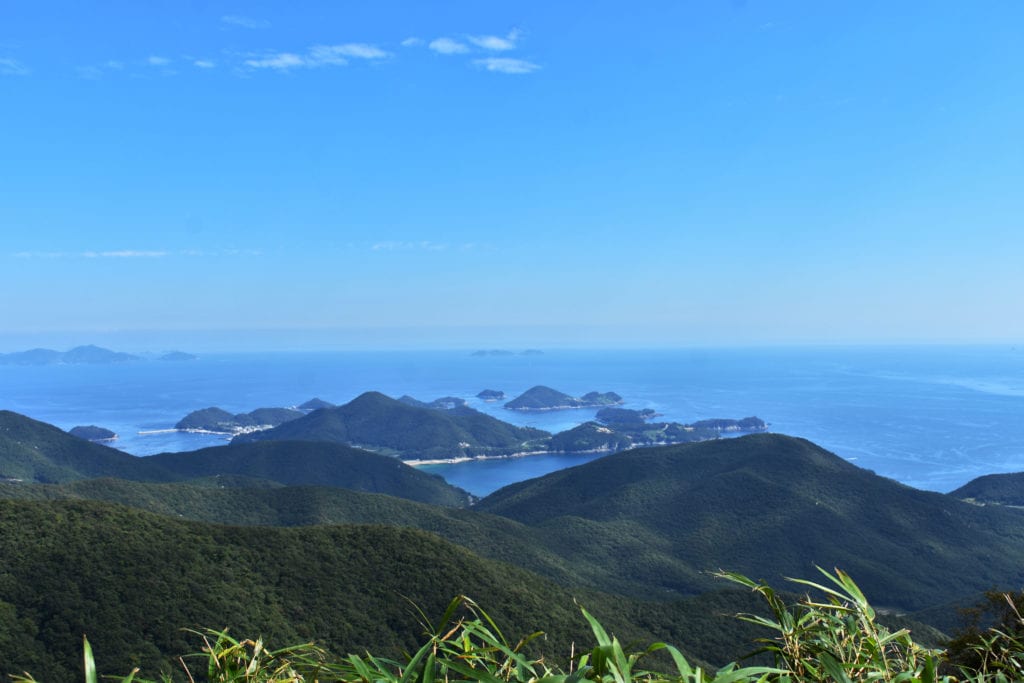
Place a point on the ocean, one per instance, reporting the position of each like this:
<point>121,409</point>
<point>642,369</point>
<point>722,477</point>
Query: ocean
<point>930,417</point>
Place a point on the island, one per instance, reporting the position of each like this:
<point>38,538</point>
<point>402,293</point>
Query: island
<point>492,352</point>
<point>545,398</point>
<point>448,430</point>
<point>89,354</point>
<point>92,433</point>
<point>491,395</point>
<point>444,429</point>
<point>218,421</point>
<point>177,356</point>
<point>443,403</point>
<point>624,435</point>
<point>746,424</point>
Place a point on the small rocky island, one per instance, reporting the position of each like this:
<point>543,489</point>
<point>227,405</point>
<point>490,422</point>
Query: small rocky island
<point>92,433</point>
<point>177,356</point>
<point>491,395</point>
<point>545,398</point>
<point>482,353</point>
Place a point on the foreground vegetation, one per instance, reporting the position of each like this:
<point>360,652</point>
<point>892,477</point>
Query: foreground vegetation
<point>830,635</point>
<point>632,536</point>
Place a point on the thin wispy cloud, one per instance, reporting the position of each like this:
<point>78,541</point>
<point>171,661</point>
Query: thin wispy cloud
<point>244,22</point>
<point>337,54</point>
<point>447,46</point>
<point>318,56</point>
<point>488,43</point>
<point>12,67</point>
<point>95,71</point>
<point>496,43</point>
<point>361,51</point>
<point>507,65</point>
<point>408,246</point>
<point>124,253</point>
<point>281,61</point>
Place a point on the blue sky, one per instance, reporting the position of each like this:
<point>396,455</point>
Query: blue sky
<point>395,174</point>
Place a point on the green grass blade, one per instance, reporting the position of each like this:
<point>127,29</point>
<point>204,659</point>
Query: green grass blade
<point>599,633</point>
<point>89,661</point>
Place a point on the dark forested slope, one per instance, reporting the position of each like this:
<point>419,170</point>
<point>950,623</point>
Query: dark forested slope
<point>306,463</point>
<point>998,489</point>
<point>34,451</point>
<point>771,506</point>
<point>132,581</point>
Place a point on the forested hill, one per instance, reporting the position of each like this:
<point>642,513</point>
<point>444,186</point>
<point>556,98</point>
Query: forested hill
<point>314,464</point>
<point>133,581</point>
<point>375,421</point>
<point>35,452</point>
<point>997,489</point>
<point>771,506</point>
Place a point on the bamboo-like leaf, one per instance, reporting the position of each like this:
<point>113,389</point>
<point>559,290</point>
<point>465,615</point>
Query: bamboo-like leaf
<point>599,633</point>
<point>745,674</point>
<point>409,675</point>
<point>88,661</point>
<point>833,668</point>
<point>682,665</point>
<point>471,674</point>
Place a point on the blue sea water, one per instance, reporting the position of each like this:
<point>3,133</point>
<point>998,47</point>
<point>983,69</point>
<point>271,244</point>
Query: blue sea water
<point>931,417</point>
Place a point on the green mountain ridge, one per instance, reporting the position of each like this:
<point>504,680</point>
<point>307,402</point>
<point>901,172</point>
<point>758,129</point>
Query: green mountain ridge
<point>310,463</point>
<point>132,581</point>
<point>33,451</point>
<point>647,523</point>
<point>994,489</point>
<point>771,506</point>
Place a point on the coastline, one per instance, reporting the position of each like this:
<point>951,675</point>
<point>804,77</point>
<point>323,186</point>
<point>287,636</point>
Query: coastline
<point>549,409</point>
<point>175,430</point>
<point>472,458</point>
